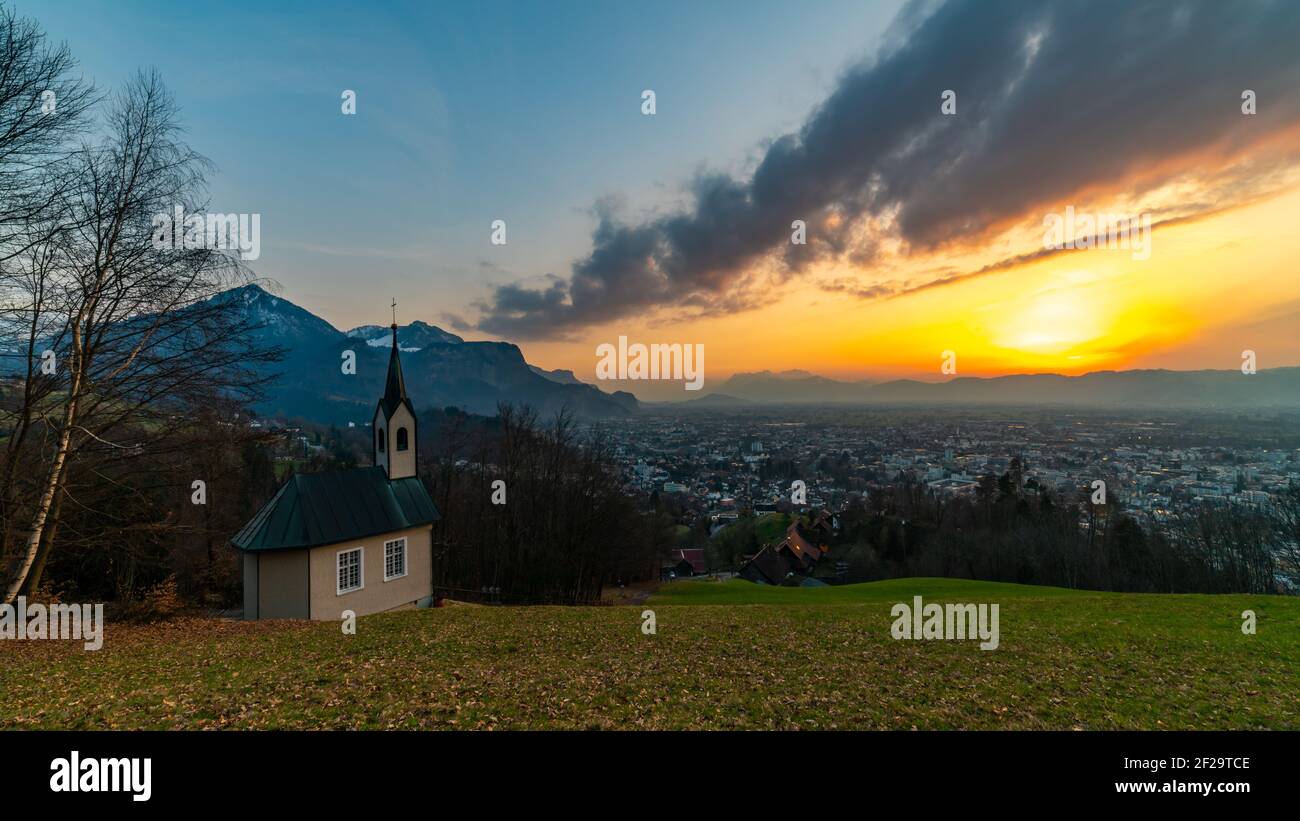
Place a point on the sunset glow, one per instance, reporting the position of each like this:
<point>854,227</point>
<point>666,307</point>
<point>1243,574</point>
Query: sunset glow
<point>1196,303</point>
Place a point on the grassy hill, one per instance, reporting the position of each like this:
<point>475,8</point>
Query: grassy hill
<point>726,655</point>
<point>770,527</point>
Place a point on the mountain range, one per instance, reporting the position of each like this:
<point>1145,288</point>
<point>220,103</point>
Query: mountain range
<point>1274,387</point>
<point>441,369</point>
<point>793,386</point>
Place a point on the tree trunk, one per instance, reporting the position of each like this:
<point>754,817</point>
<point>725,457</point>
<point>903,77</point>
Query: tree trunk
<point>47,543</point>
<point>53,483</point>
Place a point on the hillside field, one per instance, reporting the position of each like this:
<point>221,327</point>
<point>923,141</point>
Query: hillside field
<point>726,655</point>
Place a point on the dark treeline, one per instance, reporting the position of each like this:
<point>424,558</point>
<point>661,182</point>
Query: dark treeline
<point>1006,532</point>
<point>562,525</point>
<point>129,522</point>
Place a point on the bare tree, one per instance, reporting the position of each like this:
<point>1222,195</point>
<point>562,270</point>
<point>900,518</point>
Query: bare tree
<point>145,333</point>
<point>43,107</point>
<point>570,521</point>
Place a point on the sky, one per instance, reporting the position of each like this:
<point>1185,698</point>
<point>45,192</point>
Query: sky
<point>925,214</point>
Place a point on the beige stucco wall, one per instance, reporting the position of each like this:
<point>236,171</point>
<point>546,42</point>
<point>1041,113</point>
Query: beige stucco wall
<point>282,584</point>
<point>249,561</point>
<point>376,595</point>
<point>402,461</point>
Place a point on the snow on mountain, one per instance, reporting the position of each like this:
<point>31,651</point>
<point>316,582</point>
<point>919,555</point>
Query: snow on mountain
<point>413,337</point>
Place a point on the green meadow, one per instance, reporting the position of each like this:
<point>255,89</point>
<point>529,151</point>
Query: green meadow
<point>725,655</point>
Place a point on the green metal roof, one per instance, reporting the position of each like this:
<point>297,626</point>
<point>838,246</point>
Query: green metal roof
<point>314,509</point>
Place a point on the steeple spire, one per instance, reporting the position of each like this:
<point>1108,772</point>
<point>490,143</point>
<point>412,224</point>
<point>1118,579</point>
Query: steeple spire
<point>395,387</point>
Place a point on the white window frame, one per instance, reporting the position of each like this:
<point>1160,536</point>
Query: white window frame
<point>406,556</point>
<point>361,570</point>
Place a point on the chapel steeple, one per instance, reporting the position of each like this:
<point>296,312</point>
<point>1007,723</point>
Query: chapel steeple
<point>394,419</point>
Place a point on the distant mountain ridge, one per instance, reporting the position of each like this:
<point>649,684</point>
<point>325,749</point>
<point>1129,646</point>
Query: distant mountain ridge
<point>792,386</point>
<point>715,400</point>
<point>441,369</point>
<point>1228,389</point>
<point>563,377</point>
<point>413,337</point>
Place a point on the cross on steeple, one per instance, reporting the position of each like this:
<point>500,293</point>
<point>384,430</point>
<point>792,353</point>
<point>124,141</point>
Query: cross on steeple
<point>394,312</point>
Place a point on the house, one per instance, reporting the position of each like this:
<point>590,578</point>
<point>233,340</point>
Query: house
<point>822,523</point>
<point>797,552</point>
<point>765,568</point>
<point>684,562</point>
<point>676,569</point>
<point>694,558</point>
<point>804,547</point>
<point>357,539</point>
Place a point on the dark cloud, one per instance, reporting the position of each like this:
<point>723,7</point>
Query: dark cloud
<point>1055,100</point>
<point>852,287</point>
<point>949,275</point>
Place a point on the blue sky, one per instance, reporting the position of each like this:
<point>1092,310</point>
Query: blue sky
<point>467,112</point>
